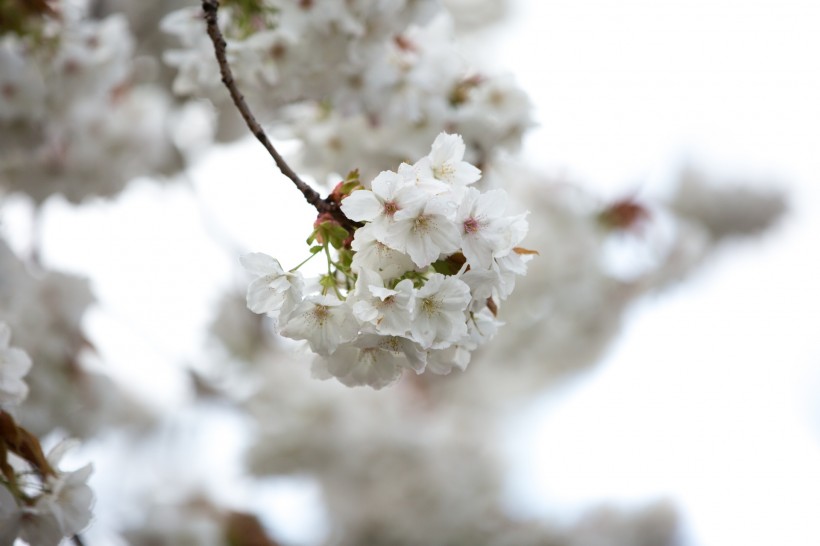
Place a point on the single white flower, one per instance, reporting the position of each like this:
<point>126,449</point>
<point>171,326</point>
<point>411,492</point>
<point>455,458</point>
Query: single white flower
<point>68,500</point>
<point>275,292</point>
<point>354,366</point>
<point>387,310</point>
<point>481,327</point>
<point>372,360</point>
<point>324,321</point>
<point>498,281</point>
<point>41,528</point>
<point>445,162</point>
<point>442,361</point>
<point>390,193</point>
<point>14,364</point>
<point>483,229</point>
<point>425,232</point>
<point>484,284</point>
<point>64,507</point>
<point>508,267</point>
<point>376,256</point>
<point>415,355</point>
<point>440,311</point>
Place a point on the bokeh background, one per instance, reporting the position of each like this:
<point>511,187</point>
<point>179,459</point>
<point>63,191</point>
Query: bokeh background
<point>708,397</point>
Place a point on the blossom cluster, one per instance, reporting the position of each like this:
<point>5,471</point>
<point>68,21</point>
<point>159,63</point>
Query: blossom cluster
<point>364,82</point>
<point>46,512</point>
<point>45,309</point>
<point>74,120</point>
<point>418,275</point>
<point>38,502</point>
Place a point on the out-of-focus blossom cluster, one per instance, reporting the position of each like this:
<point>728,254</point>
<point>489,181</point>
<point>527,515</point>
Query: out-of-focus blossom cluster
<point>423,464</point>
<point>42,512</point>
<point>38,502</point>
<point>14,364</point>
<point>365,83</point>
<point>417,281</point>
<point>728,209</point>
<point>45,310</point>
<point>73,119</point>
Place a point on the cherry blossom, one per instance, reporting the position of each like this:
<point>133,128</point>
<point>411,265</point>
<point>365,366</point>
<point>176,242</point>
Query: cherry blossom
<point>275,292</point>
<point>324,321</point>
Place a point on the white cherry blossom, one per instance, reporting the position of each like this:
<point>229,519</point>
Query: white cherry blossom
<point>483,229</point>
<point>69,500</point>
<point>275,292</point>
<point>373,255</point>
<point>388,311</point>
<point>442,361</point>
<point>390,194</point>
<point>324,321</point>
<point>356,365</point>
<point>425,231</point>
<point>440,311</point>
<point>372,360</point>
<point>446,162</point>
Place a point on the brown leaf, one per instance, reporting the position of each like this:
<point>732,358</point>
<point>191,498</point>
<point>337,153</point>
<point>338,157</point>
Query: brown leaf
<point>23,443</point>
<point>525,251</point>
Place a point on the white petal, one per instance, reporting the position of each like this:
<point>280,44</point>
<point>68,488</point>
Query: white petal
<point>447,148</point>
<point>261,264</point>
<point>362,206</point>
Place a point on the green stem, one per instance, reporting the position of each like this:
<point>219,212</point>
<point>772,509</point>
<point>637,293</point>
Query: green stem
<point>306,260</point>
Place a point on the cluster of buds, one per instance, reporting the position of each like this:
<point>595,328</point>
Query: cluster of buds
<point>416,270</point>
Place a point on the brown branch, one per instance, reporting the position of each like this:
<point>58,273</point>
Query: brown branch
<point>210,8</point>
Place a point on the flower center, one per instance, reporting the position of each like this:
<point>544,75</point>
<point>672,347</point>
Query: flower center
<point>430,306</point>
<point>390,208</point>
<point>320,313</point>
<point>471,225</point>
<point>421,224</point>
<point>444,172</point>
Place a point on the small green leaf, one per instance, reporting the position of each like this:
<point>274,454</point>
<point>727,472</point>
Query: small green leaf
<point>337,235</point>
<point>327,281</point>
<point>352,176</point>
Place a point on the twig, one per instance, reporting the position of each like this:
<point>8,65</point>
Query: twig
<point>77,540</point>
<point>210,8</point>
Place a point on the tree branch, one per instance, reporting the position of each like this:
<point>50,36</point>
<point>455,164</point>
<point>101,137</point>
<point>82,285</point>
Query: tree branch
<point>210,7</point>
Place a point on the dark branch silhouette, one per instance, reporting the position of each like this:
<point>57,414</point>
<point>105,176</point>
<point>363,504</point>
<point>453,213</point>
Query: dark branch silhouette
<point>210,7</point>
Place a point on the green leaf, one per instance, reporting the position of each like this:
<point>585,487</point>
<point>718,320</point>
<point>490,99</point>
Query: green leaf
<point>327,281</point>
<point>337,235</point>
